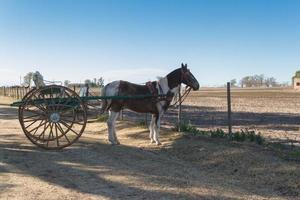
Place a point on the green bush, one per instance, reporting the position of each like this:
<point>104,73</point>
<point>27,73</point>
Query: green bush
<point>102,118</point>
<point>219,133</point>
<point>240,136</point>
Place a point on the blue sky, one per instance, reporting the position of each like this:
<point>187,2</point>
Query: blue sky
<point>137,40</point>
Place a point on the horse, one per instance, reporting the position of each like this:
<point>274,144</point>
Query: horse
<point>168,86</point>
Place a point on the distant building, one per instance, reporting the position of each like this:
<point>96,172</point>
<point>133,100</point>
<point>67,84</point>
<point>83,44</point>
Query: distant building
<point>296,81</point>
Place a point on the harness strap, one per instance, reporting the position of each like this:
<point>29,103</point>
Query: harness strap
<point>151,88</point>
<point>160,89</point>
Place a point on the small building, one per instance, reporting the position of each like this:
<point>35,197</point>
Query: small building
<point>296,81</point>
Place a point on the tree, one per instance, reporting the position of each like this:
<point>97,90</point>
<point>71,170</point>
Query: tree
<point>271,82</point>
<point>246,81</point>
<point>27,79</point>
<point>88,82</point>
<point>100,82</point>
<point>258,81</point>
<point>233,82</point>
<point>66,82</point>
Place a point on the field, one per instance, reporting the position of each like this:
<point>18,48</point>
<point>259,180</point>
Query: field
<point>183,167</point>
<point>274,112</point>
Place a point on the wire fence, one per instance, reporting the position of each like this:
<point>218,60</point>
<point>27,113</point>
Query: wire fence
<point>274,112</point>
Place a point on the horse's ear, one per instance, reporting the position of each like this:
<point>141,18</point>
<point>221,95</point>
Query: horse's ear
<point>183,67</point>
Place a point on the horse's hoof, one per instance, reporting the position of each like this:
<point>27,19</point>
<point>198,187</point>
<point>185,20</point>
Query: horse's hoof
<point>158,143</point>
<point>114,142</point>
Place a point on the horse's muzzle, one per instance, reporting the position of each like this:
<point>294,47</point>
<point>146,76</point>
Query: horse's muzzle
<point>196,87</point>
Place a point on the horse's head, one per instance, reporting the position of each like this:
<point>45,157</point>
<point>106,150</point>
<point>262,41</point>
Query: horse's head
<point>188,78</point>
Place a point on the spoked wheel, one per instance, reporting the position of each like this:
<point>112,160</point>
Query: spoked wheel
<point>53,117</point>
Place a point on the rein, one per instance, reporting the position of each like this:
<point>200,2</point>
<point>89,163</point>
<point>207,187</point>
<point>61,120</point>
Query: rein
<point>183,97</point>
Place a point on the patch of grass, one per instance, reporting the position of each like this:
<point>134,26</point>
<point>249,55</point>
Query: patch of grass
<point>288,152</point>
<point>102,118</point>
<point>188,127</point>
<point>295,154</point>
<point>247,135</point>
<point>240,136</point>
<point>141,124</point>
<point>219,133</point>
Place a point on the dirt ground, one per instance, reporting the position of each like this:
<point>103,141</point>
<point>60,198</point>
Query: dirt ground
<point>183,167</point>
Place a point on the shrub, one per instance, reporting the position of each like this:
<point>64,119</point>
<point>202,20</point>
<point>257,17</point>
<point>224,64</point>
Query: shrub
<point>102,118</point>
<point>240,136</point>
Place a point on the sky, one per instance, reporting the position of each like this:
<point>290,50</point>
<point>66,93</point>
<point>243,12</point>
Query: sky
<point>138,40</point>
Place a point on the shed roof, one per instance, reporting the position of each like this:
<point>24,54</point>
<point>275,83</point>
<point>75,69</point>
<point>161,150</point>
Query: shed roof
<point>297,74</point>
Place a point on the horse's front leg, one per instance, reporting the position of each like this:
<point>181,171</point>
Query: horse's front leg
<point>111,123</point>
<point>152,127</point>
<point>157,128</point>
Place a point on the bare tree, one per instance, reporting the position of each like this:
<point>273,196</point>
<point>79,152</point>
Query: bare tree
<point>258,81</point>
<point>271,82</point>
<point>27,79</point>
<point>100,82</point>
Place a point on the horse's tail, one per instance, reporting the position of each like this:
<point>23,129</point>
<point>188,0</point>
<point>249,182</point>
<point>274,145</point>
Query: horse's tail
<point>111,89</point>
<point>105,104</point>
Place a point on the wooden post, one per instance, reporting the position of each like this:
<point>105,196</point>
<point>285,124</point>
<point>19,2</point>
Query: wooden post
<point>229,110</point>
<point>17,92</point>
<point>87,90</point>
<point>74,88</point>
<point>4,91</point>
<point>179,110</point>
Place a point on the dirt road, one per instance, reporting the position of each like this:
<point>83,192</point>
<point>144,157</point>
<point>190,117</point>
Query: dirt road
<point>182,168</point>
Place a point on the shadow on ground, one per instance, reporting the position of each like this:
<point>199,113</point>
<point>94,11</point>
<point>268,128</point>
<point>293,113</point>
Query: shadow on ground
<point>181,170</point>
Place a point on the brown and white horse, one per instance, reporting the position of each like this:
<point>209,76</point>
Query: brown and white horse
<point>168,85</point>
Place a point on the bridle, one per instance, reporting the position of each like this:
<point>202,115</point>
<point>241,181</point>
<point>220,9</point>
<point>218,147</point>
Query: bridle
<point>184,77</point>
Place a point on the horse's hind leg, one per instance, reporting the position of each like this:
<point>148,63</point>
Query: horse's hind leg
<point>111,123</point>
<point>152,127</point>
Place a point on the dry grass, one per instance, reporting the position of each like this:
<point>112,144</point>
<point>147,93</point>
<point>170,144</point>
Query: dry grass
<point>184,167</point>
<point>274,112</point>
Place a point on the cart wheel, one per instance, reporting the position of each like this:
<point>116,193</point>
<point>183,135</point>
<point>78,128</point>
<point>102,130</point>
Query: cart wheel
<point>53,117</point>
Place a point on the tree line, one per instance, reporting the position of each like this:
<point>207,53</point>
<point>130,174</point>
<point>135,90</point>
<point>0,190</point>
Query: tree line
<point>257,81</point>
<point>90,82</point>
<point>95,82</point>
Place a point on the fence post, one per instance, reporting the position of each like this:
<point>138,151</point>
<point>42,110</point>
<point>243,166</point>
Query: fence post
<point>87,90</point>
<point>4,91</point>
<point>179,110</point>
<point>18,93</point>
<point>146,120</point>
<point>229,110</point>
